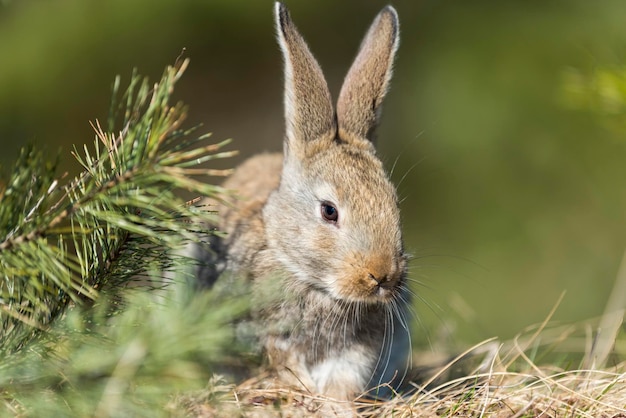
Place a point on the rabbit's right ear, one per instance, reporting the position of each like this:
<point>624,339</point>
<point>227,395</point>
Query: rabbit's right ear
<point>365,86</point>
<point>309,112</point>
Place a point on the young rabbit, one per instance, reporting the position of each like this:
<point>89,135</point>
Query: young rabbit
<point>316,231</point>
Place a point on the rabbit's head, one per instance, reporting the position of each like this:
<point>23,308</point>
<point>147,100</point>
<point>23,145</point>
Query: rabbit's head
<point>334,222</point>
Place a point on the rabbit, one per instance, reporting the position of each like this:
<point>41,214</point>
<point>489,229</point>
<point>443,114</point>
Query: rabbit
<point>315,231</point>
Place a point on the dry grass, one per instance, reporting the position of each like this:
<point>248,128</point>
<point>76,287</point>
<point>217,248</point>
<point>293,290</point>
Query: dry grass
<point>547,371</point>
<point>492,379</point>
<point>507,383</point>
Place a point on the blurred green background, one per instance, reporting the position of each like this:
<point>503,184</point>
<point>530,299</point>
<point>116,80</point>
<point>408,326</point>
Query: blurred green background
<point>508,151</point>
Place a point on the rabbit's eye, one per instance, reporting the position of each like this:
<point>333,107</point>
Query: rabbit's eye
<point>329,212</point>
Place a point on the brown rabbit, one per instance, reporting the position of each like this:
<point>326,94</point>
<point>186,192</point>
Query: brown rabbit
<point>316,230</point>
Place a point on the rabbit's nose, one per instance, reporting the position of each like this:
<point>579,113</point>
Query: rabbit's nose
<point>383,281</point>
<point>382,270</point>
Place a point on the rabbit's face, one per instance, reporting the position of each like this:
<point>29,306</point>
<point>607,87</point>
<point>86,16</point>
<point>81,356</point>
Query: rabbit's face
<point>334,223</point>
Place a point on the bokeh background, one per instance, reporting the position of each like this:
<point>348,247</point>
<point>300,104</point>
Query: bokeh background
<point>505,135</point>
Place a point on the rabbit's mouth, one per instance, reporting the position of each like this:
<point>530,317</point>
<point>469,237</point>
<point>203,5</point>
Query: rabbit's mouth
<point>359,289</point>
<point>368,278</point>
<point>364,287</point>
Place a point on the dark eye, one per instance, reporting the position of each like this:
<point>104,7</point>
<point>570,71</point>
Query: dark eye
<point>329,212</point>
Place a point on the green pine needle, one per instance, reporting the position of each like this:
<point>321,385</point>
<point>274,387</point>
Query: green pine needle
<point>65,242</point>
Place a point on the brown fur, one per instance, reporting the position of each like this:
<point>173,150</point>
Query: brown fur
<point>327,295</point>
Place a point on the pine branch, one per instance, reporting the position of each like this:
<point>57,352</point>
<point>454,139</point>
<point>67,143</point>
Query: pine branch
<point>132,363</point>
<point>68,242</point>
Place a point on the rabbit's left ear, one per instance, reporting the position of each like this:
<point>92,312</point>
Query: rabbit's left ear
<point>309,112</point>
<point>365,86</point>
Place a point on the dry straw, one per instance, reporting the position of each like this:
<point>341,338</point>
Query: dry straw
<point>512,379</point>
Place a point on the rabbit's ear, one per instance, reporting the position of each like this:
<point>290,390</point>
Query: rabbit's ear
<point>365,86</point>
<point>309,111</point>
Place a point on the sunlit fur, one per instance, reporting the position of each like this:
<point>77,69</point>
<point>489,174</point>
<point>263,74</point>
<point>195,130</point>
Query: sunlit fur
<point>330,298</point>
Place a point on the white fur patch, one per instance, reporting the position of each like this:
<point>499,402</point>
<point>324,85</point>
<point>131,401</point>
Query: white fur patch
<point>347,371</point>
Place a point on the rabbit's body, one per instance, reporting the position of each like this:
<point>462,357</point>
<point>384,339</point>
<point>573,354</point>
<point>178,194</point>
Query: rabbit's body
<point>316,231</point>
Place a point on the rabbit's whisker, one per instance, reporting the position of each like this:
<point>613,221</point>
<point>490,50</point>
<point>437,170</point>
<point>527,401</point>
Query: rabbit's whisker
<point>306,215</point>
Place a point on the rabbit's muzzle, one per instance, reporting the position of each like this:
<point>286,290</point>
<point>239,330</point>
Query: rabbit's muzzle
<point>372,279</point>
